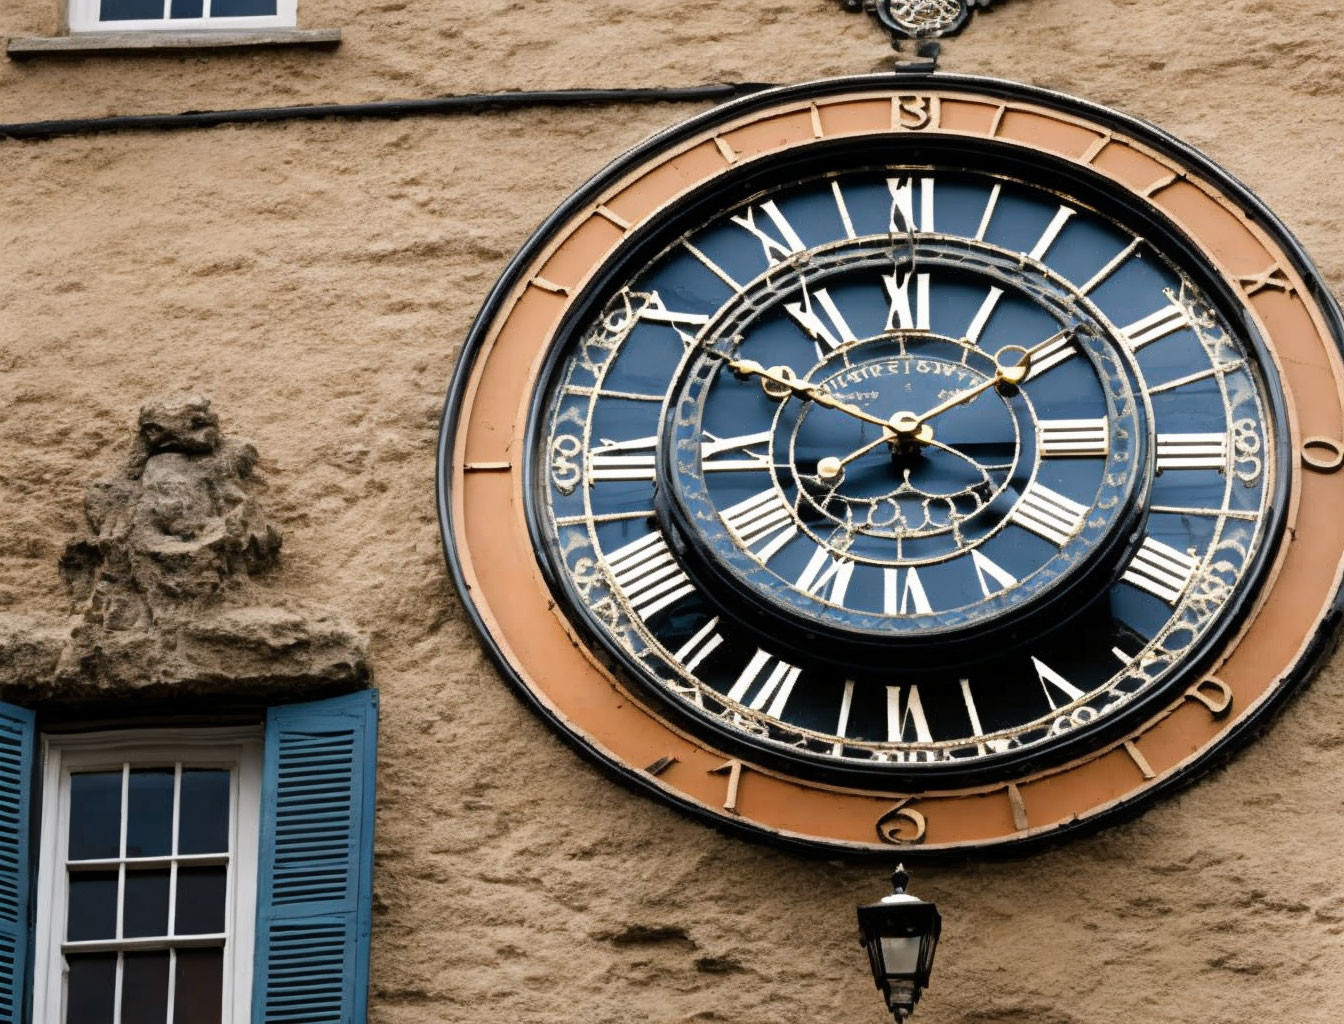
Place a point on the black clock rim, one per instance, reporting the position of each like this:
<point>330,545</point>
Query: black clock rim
<point>937,776</point>
<point>1309,661</point>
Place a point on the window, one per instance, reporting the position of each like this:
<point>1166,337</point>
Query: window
<point>138,15</point>
<point>225,874</point>
<point>148,865</point>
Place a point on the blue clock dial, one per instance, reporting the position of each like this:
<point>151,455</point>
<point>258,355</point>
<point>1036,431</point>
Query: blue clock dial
<point>905,466</point>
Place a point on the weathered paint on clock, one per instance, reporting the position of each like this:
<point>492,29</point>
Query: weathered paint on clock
<point>544,617</point>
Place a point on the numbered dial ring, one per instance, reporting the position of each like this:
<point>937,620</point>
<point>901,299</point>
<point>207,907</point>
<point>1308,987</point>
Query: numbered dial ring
<point>677,326</point>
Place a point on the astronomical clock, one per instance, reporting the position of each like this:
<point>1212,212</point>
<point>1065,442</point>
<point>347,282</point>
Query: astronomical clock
<point>907,462</point>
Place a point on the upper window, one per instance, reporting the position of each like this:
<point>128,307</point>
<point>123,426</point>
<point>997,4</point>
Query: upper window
<point>148,866</point>
<point>137,15</point>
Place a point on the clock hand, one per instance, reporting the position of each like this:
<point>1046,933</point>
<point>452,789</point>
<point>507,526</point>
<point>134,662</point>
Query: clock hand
<point>908,425</point>
<point>830,468</point>
<point>779,382</point>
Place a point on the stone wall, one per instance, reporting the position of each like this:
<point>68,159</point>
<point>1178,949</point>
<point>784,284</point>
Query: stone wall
<point>315,279</point>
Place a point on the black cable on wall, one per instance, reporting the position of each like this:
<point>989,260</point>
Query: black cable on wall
<point>477,103</point>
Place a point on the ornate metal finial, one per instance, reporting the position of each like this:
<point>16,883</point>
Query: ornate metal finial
<point>900,879</point>
<point>920,19</point>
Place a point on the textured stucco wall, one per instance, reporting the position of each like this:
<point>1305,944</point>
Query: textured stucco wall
<point>316,280</point>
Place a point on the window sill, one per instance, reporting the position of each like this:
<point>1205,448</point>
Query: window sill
<point>93,43</point>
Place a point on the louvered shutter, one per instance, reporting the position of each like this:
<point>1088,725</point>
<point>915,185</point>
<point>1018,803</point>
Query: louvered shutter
<point>314,885</point>
<point>17,735</point>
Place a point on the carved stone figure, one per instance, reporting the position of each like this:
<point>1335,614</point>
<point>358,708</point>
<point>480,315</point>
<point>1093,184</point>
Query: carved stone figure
<point>162,582</point>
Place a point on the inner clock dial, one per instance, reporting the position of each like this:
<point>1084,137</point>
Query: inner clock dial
<point>912,488</point>
<point>900,467</point>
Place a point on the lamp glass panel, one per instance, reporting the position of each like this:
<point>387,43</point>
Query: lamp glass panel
<point>900,955</point>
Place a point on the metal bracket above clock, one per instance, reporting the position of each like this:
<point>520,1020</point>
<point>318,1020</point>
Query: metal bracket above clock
<point>920,19</point>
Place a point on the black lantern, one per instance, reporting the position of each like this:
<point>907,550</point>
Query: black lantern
<point>901,934</point>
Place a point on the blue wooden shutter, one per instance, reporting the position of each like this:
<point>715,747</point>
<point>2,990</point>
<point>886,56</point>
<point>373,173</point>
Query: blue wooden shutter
<point>315,885</point>
<point>17,735</point>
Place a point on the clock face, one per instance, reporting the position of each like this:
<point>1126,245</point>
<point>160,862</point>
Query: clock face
<point>905,468</point>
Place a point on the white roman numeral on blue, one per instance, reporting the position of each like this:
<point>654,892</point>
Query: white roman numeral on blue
<point>1048,514</point>
<point>1161,570</point>
<point>826,576</point>
<point>1051,356</point>
<point>622,460</point>
<point>909,599</point>
<point>1191,451</point>
<point>648,575</point>
<point>1073,438</point>
<point>821,318</point>
<point>762,523</point>
<point>1155,326</point>
<point>775,690</point>
<point>778,247</point>
<point>715,458</point>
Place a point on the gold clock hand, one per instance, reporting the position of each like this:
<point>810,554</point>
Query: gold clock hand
<point>907,424</point>
<point>779,382</point>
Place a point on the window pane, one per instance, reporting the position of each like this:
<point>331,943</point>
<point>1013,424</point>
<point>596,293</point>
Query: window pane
<point>204,819</point>
<point>93,906</point>
<point>90,988</point>
<point>201,973</point>
<point>200,900</point>
<point>146,910</point>
<point>149,813</point>
<point>144,988</point>
<point>239,8</point>
<point>127,10</point>
<point>95,815</point>
<point>186,8</point>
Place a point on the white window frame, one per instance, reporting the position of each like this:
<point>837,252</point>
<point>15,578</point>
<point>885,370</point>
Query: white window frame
<point>239,749</point>
<point>83,16</point>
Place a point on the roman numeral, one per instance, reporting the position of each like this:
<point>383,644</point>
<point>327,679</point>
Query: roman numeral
<point>828,333</point>
<point>700,646</point>
<point>1154,326</point>
<point>687,325</point>
<point>776,249</point>
<point>762,523</point>
<point>901,314</point>
<point>1161,570</point>
<point>905,713</point>
<point>711,448</point>
<point>908,600</point>
<point>903,204</point>
<point>1052,231</point>
<point>1052,681</point>
<point>1062,439</point>
<point>972,713</point>
<point>842,721</point>
<point>779,679</point>
<point>646,572</point>
<point>990,204</point>
<point>983,314</point>
<point>826,577</point>
<point>1191,451</point>
<point>1048,514</point>
<point>622,460</point>
<point>843,210</point>
<point>1051,356</point>
<point>987,571</point>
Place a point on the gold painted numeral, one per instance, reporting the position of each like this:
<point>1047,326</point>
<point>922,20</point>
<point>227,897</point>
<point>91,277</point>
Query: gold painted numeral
<point>1214,694</point>
<point>733,769</point>
<point>914,113</point>
<point>1323,454</point>
<point>902,825</point>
